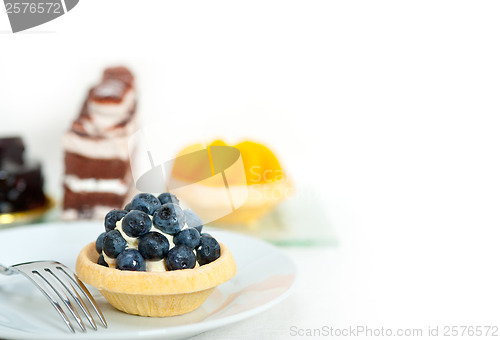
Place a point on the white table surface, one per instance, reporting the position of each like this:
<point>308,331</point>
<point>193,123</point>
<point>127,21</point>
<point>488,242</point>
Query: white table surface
<point>347,287</point>
<point>298,309</point>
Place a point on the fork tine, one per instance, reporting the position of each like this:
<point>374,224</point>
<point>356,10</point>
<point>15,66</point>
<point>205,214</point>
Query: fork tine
<point>76,297</point>
<point>85,311</point>
<point>84,291</point>
<point>64,298</point>
<point>54,303</point>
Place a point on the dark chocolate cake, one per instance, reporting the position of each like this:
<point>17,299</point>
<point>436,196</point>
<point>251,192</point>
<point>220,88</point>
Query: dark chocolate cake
<point>21,182</point>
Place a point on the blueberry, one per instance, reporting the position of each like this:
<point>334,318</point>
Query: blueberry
<point>208,251</point>
<point>169,218</point>
<point>128,207</point>
<point>112,217</point>
<point>180,257</point>
<point>101,261</point>
<point>113,243</point>
<point>136,223</point>
<point>189,237</point>
<point>98,243</point>
<point>193,220</point>
<point>153,246</point>
<point>167,197</point>
<point>145,202</point>
<point>131,259</point>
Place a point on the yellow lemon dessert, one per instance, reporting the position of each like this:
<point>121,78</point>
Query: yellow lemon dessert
<point>244,181</point>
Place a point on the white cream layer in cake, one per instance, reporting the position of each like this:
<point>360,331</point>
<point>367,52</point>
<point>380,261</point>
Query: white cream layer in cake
<point>92,129</point>
<point>107,115</point>
<point>112,186</point>
<point>97,213</point>
<point>100,148</point>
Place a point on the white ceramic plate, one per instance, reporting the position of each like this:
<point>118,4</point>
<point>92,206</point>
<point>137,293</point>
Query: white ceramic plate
<point>265,277</point>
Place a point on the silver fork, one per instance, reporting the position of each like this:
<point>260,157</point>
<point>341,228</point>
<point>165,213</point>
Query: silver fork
<point>55,280</point>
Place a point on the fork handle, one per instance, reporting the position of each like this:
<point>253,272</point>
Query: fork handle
<point>6,270</point>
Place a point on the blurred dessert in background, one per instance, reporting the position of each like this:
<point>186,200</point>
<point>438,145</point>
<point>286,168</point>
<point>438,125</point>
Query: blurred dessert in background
<point>21,181</point>
<point>96,157</point>
<point>254,188</point>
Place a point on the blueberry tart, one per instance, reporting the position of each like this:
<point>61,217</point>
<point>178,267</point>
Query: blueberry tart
<point>153,259</point>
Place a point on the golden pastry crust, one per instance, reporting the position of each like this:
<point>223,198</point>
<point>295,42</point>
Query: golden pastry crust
<point>155,293</point>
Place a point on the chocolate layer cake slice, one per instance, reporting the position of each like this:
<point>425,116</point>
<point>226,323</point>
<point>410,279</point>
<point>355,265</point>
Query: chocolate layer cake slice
<point>97,165</point>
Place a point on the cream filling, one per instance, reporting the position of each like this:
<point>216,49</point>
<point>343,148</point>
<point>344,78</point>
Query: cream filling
<point>133,243</point>
<point>156,266</point>
<point>100,148</point>
<point>113,131</point>
<point>109,260</point>
<point>98,213</point>
<point>109,114</point>
<point>114,186</point>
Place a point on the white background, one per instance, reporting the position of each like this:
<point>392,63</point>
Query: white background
<point>390,109</point>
